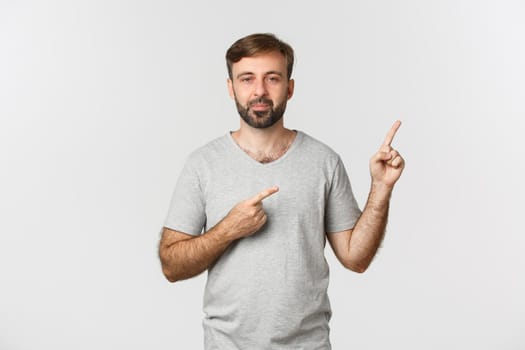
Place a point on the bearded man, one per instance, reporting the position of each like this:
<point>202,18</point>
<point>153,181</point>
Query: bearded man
<point>267,273</point>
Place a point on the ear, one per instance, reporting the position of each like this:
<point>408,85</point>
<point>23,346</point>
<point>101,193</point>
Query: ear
<point>230,88</point>
<point>291,86</point>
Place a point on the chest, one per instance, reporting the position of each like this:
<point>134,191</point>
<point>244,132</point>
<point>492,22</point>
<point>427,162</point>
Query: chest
<point>303,190</point>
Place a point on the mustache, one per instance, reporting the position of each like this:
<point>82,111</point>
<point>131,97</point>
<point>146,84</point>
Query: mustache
<point>259,100</point>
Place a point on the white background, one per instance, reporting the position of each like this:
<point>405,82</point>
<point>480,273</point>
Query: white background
<point>101,102</point>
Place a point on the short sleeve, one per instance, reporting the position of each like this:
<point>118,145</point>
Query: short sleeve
<point>187,211</point>
<point>342,210</point>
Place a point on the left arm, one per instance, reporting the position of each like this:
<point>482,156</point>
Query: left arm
<point>356,248</point>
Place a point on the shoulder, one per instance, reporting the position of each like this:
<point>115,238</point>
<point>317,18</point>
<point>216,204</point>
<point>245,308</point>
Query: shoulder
<point>317,149</point>
<point>215,149</point>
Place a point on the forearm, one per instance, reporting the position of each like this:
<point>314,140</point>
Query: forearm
<point>186,258</point>
<point>369,230</point>
<point>183,256</point>
<point>356,248</point>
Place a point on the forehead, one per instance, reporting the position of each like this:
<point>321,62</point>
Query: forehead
<point>262,63</point>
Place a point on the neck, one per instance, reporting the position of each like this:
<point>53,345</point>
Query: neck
<point>264,145</point>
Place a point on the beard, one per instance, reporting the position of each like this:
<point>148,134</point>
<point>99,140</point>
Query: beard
<point>261,119</point>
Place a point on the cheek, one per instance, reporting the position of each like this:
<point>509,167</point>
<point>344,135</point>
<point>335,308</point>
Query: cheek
<point>241,94</point>
<point>282,97</point>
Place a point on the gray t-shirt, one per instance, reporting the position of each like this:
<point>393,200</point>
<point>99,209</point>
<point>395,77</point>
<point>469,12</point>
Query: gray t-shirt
<point>269,290</point>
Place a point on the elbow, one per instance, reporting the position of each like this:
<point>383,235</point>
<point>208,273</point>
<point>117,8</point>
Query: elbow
<point>170,275</point>
<point>167,270</point>
<point>357,261</point>
<point>356,266</point>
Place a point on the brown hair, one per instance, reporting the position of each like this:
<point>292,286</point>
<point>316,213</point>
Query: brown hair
<point>256,44</point>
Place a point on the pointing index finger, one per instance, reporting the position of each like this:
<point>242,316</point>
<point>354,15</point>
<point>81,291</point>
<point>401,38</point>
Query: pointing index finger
<point>264,194</point>
<point>392,133</point>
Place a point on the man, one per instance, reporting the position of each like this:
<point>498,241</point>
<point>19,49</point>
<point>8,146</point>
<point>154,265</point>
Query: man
<point>267,275</point>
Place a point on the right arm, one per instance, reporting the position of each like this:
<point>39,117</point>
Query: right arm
<point>184,256</point>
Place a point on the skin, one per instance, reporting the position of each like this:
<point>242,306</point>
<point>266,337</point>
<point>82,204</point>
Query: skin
<point>266,76</point>
<point>184,256</point>
<point>356,248</point>
<point>263,78</point>
<point>261,96</point>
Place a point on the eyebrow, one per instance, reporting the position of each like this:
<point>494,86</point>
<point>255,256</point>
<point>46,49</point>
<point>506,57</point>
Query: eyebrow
<point>267,73</point>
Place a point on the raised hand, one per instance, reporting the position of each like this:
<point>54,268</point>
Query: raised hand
<point>248,216</point>
<point>387,164</point>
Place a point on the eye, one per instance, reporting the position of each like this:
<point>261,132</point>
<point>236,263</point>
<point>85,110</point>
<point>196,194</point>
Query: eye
<point>246,79</point>
<point>273,79</point>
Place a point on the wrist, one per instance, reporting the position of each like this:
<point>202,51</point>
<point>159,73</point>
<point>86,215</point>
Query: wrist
<point>380,194</point>
<point>224,231</point>
<point>381,189</point>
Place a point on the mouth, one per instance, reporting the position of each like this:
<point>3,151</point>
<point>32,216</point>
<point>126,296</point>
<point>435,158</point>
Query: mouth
<point>261,104</point>
<point>260,107</point>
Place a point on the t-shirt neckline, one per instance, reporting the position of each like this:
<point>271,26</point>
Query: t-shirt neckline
<point>298,139</point>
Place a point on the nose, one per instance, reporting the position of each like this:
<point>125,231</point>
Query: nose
<point>260,88</point>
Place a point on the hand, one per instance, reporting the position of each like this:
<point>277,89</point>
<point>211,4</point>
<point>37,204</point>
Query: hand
<point>248,216</point>
<point>387,164</point>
